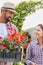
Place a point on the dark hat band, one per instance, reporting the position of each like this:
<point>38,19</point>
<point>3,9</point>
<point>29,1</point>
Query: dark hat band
<point>7,8</point>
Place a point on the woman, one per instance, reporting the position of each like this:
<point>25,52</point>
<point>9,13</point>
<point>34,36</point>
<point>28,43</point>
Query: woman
<point>34,55</point>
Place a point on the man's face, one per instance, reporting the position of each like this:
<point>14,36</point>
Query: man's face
<point>38,32</point>
<point>8,15</point>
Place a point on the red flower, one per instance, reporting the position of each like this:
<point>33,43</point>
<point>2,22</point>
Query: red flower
<point>18,33</point>
<point>10,37</point>
<point>14,34</point>
<point>18,39</point>
<point>23,36</point>
<point>25,45</point>
<point>2,46</point>
<point>7,46</point>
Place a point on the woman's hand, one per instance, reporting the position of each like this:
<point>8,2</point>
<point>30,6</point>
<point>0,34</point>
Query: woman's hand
<point>32,63</point>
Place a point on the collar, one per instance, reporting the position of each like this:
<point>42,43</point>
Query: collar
<point>37,42</point>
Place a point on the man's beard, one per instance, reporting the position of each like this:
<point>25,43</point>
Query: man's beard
<point>7,20</point>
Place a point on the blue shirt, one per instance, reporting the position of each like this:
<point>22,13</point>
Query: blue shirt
<point>3,30</point>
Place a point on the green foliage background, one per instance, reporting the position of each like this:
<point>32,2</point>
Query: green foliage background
<point>22,10</point>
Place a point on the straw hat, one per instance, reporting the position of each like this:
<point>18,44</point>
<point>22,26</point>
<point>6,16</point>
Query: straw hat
<point>8,6</point>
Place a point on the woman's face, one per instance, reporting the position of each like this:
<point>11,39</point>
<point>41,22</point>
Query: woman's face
<point>38,32</point>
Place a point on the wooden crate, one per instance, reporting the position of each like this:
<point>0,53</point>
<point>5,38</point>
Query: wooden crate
<point>11,56</point>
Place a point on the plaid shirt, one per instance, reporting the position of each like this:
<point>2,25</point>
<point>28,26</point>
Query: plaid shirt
<point>34,54</point>
<point>11,28</point>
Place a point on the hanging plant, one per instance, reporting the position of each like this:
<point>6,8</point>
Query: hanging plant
<point>23,9</point>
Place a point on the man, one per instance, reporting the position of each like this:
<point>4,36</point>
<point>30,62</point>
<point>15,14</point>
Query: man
<point>6,27</point>
<point>34,55</point>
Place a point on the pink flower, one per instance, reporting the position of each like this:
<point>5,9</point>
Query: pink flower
<point>0,38</point>
<point>2,46</point>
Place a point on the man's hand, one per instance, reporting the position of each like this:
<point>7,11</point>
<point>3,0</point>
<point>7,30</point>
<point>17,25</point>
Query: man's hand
<point>32,63</point>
